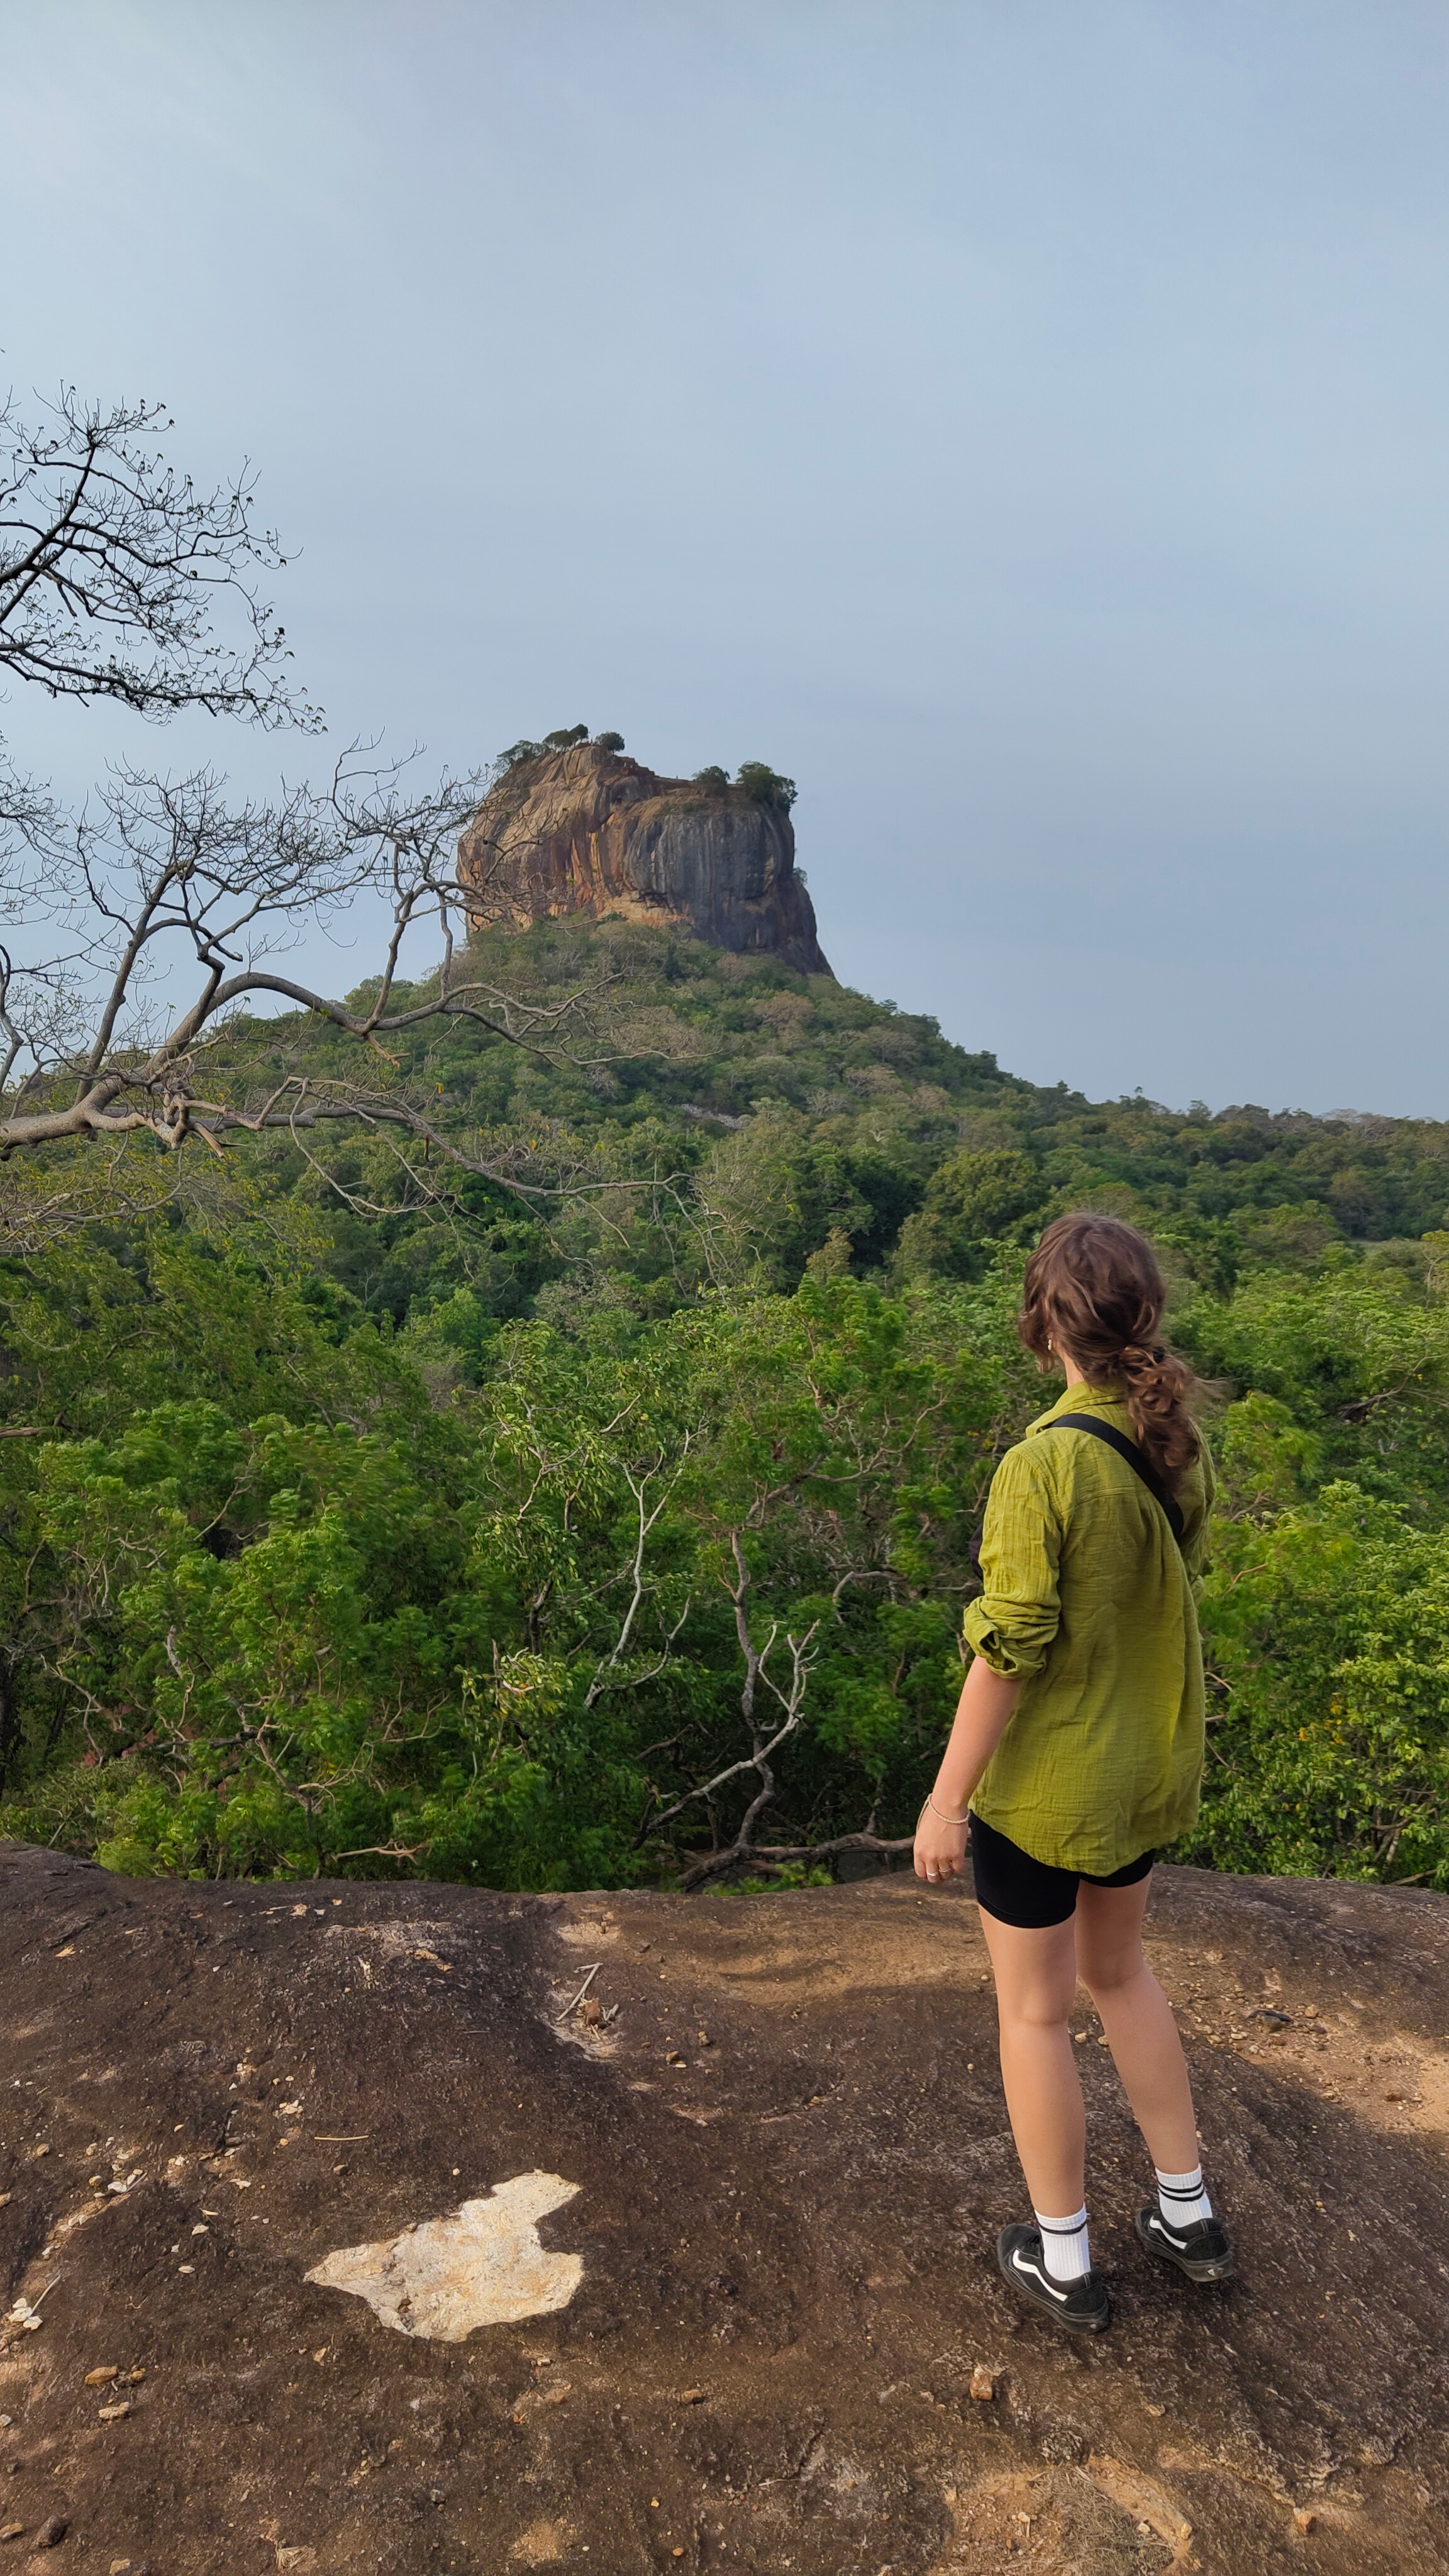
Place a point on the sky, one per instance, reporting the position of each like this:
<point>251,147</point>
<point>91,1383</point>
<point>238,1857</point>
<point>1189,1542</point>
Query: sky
<point>1021,421</point>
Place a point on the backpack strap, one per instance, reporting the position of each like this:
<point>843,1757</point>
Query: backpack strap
<point>1136,1459</point>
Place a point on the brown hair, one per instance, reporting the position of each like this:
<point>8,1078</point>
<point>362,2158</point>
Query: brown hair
<point>1094,1290</point>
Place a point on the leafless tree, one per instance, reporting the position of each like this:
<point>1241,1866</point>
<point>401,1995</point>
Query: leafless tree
<point>768,1729</point>
<point>91,1044</point>
<point>113,567</point>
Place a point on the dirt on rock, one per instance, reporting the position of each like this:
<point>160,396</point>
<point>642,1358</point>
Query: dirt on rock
<point>693,2269</point>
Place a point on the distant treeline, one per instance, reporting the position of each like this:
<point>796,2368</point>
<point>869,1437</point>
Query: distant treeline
<point>760,1116</point>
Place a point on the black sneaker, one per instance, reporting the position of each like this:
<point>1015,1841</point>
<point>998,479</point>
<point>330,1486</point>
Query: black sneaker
<point>1083,2305</point>
<point>1201,2247</point>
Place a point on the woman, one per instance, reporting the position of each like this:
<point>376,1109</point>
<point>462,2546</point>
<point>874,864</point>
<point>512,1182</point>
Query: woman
<point>1078,1749</point>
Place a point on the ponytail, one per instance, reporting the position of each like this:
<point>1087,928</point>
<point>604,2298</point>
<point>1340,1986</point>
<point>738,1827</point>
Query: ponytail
<point>1093,1290</point>
<point>1160,1388</point>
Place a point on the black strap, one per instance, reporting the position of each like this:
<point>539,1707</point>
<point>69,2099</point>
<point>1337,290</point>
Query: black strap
<point>1139,1463</point>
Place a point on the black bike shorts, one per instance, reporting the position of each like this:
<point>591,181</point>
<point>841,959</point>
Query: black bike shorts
<point>1029,1893</point>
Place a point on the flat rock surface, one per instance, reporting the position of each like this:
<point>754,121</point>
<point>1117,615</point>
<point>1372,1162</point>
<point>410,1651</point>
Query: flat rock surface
<point>765,2187</point>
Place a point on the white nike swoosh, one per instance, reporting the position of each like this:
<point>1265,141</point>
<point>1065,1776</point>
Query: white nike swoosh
<point>1017,2265</point>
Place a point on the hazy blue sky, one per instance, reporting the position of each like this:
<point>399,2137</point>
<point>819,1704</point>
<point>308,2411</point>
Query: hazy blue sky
<point>1024,423</point>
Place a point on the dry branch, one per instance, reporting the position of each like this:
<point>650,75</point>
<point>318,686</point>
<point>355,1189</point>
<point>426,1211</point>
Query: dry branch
<point>159,869</point>
<point>113,567</point>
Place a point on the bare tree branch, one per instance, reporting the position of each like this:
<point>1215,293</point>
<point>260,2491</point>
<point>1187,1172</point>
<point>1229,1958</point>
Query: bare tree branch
<point>638,1482</point>
<point>764,1744</point>
<point>774,1856</point>
<point>157,870</point>
<point>113,565</point>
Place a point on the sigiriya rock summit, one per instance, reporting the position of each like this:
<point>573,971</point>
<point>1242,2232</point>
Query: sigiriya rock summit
<point>582,829</point>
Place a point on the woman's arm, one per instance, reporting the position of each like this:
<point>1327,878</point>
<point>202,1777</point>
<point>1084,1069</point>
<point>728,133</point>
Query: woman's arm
<point>1012,1624</point>
<point>983,1714</point>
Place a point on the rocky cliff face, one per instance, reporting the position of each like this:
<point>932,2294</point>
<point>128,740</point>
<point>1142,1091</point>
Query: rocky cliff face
<point>587,830</point>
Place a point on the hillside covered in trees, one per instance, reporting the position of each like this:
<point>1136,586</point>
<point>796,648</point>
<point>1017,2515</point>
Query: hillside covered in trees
<point>577,1485</point>
<point>721,1118</point>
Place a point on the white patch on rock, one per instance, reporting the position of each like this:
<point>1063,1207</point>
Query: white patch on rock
<point>484,2266</point>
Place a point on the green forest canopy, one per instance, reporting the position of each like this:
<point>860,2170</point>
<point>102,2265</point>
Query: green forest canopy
<point>372,1517</point>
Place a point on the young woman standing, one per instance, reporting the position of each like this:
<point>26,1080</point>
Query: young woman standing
<point>1078,1748</point>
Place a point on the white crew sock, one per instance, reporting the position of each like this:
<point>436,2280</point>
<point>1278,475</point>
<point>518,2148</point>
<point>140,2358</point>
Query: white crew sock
<point>1065,2250</point>
<point>1181,2197</point>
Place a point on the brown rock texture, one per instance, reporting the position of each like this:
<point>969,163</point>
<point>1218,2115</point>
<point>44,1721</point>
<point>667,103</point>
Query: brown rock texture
<point>776,2166</point>
<point>588,831</point>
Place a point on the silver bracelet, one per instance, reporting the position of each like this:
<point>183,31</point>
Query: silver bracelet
<point>940,1811</point>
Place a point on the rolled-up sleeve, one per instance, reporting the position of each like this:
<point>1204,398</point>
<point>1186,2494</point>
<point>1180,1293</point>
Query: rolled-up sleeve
<point>1012,1623</point>
<point>1197,1524</point>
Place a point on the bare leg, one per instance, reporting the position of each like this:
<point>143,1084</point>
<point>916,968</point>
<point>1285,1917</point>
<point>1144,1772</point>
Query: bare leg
<point>1036,1979</point>
<point>1138,2022</point>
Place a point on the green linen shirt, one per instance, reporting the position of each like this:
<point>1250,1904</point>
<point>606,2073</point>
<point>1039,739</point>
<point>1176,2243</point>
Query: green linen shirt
<point>1089,1598</point>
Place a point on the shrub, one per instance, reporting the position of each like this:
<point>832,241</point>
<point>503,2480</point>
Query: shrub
<point>766,786</point>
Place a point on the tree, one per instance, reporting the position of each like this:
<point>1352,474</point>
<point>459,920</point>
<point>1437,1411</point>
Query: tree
<point>971,1201</point>
<point>112,569</point>
<point>1325,1625</point>
<point>155,867</point>
<point>562,739</point>
<point>766,785</point>
<point>750,1530</point>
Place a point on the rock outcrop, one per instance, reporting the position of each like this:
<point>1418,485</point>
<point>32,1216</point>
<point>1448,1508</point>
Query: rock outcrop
<point>350,2228</point>
<point>586,830</point>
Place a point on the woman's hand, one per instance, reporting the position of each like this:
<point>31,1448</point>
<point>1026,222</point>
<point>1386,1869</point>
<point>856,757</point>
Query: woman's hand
<point>940,1846</point>
<point>983,1714</point>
